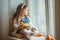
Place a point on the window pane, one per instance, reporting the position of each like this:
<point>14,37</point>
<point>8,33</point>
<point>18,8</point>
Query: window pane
<point>37,12</point>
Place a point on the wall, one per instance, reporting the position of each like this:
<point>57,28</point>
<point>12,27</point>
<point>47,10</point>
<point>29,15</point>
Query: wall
<point>0,23</point>
<point>57,19</point>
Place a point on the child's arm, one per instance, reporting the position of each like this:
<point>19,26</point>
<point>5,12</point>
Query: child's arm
<point>15,25</point>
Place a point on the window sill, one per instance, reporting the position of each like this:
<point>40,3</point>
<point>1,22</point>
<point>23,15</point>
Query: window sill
<point>32,38</point>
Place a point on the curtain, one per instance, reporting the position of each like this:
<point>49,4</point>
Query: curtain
<point>37,12</point>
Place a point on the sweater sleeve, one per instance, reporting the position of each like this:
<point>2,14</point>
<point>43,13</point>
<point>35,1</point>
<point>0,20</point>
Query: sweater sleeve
<point>15,25</point>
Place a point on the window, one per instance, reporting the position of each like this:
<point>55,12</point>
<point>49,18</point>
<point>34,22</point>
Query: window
<point>42,13</point>
<point>37,12</point>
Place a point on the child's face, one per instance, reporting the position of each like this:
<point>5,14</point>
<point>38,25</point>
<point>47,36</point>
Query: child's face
<point>25,11</point>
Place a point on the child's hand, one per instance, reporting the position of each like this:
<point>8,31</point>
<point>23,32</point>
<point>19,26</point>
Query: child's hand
<point>33,29</point>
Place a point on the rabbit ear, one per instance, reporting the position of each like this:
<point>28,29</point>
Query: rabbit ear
<point>22,6</point>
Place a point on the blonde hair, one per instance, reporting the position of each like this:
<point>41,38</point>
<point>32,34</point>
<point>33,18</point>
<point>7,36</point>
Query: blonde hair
<point>19,11</point>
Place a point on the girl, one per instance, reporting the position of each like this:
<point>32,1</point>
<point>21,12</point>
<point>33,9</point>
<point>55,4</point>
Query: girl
<point>21,15</point>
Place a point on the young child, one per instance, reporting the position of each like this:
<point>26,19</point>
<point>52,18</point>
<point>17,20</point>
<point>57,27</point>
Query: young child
<point>21,15</point>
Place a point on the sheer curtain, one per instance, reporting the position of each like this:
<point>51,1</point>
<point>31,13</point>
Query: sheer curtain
<point>37,12</point>
<point>51,5</point>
